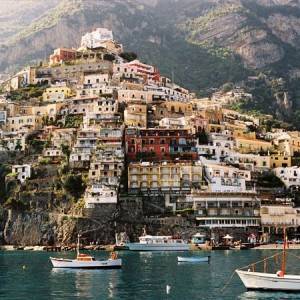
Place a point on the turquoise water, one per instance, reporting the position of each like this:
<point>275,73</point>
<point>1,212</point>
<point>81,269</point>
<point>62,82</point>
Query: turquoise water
<point>143,276</point>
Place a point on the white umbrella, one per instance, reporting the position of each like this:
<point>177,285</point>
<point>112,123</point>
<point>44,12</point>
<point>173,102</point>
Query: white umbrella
<point>227,237</point>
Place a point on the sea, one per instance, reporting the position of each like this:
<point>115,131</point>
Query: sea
<point>144,276</point>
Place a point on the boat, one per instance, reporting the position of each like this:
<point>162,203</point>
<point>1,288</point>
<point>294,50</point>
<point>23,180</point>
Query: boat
<point>280,281</point>
<point>221,247</point>
<point>85,261</point>
<point>158,243</point>
<point>193,259</point>
<point>121,241</point>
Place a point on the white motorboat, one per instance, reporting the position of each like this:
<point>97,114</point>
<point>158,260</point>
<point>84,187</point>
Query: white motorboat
<point>158,243</point>
<point>193,259</point>
<point>85,261</point>
<point>270,281</point>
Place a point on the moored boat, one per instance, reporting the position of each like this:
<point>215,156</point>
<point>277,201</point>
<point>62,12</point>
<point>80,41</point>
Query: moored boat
<point>158,243</point>
<point>269,281</point>
<point>280,281</point>
<point>85,261</point>
<point>193,259</point>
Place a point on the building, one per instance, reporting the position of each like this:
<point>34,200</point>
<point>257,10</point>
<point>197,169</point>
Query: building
<point>107,167</point>
<point>96,38</point>
<point>225,210</point>
<point>225,179</point>
<point>165,177</point>
<point>97,194</point>
<point>135,115</point>
<point>145,73</point>
<point>275,216</point>
<point>22,172</point>
<point>290,176</point>
<point>61,55</point>
<point>280,160</point>
<point>159,144</point>
<point>252,145</point>
<point>57,92</point>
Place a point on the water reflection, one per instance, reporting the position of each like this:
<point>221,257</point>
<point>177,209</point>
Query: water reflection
<point>87,283</point>
<point>253,295</point>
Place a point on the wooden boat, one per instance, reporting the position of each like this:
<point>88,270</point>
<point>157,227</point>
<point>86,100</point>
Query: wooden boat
<point>270,281</point>
<point>193,259</point>
<point>85,261</point>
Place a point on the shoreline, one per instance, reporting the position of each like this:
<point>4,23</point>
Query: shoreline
<point>277,247</point>
<point>110,248</point>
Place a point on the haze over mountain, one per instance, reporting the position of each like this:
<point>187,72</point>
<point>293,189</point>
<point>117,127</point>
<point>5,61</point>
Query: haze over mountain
<point>205,43</point>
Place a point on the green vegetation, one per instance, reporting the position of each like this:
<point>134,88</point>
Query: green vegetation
<point>109,57</point>
<point>74,185</point>
<point>26,93</point>
<point>4,170</point>
<point>129,56</point>
<point>269,180</point>
<point>16,204</point>
<point>34,145</point>
<point>73,121</point>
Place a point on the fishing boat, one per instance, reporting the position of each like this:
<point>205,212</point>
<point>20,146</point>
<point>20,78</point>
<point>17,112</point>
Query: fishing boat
<point>193,259</point>
<point>158,243</point>
<point>85,261</point>
<point>280,281</point>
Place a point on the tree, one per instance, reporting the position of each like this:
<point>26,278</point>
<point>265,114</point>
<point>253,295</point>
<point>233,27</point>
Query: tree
<point>227,87</point>
<point>129,56</point>
<point>202,137</point>
<point>65,149</point>
<point>18,146</point>
<point>74,185</point>
<point>109,57</point>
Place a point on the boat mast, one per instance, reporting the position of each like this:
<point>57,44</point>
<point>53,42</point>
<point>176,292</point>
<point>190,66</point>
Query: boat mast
<point>283,264</point>
<point>78,243</point>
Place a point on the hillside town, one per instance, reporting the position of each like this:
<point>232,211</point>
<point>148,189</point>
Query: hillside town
<point>93,130</point>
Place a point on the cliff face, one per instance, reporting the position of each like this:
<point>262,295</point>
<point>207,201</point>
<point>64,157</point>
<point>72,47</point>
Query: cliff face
<point>258,31</point>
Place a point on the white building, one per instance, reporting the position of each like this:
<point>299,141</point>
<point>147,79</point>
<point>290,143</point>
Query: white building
<point>224,210</point>
<point>96,38</point>
<point>172,122</point>
<point>224,179</point>
<point>290,175</point>
<point>100,194</point>
<point>52,152</point>
<point>22,171</point>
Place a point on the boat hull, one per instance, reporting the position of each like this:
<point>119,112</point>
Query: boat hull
<point>268,281</point>
<point>75,264</point>
<point>158,247</point>
<point>193,259</point>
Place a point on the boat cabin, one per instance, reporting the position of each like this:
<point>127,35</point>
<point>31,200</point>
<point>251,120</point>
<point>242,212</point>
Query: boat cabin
<point>150,239</point>
<point>198,238</point>
<point>85,257</point>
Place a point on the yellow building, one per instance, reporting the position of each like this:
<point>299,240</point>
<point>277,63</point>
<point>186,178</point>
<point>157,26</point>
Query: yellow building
<point>57,91</point>
<point>240,133</point>
<point>215,127</point>
<point>294,141</point>
<point>135,115</point>
<point>252,145</point>
<point>164,176</point>
<point>280,160</point>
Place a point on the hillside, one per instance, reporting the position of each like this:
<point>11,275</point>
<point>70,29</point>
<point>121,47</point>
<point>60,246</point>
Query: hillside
<point>206,44</point>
